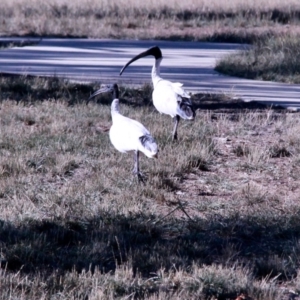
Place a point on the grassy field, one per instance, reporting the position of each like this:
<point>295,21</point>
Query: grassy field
<point>217,218</point>
<point>234,20</point>
<point>274,59</point>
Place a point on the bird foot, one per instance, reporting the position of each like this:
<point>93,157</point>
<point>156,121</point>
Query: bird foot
<point>140,176</point>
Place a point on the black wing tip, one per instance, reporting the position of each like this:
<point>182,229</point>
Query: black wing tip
<point>146,138</point>
<point>188,109</point>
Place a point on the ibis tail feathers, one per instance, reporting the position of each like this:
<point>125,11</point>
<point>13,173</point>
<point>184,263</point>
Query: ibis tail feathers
<point>185,109</point>
<point>149,145</point>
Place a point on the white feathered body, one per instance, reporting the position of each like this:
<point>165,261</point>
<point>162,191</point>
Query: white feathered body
<point>129,135</point>
<point>169,97</point>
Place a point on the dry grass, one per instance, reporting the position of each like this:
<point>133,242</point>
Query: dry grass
<point>275,59</point>
<point>217,217</point>
<point>234,20</point>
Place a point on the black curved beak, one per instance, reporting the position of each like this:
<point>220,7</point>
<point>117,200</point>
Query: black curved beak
<point>155,51</point>
<point>107,88</point>
<point>103,89</point>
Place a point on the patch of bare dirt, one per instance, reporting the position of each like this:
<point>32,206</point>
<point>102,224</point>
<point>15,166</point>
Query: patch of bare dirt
<point>254,155</point>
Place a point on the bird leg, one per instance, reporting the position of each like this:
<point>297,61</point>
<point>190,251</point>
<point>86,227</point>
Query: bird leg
<point>136,169</point>
<point>176,121</point>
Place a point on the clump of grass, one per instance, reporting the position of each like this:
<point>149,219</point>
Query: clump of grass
<point>274,59</point>
<point>279,151</point>
<point>241,150</point>
<point>27,89</point>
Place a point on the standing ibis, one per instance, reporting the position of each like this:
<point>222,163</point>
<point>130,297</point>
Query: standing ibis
<point>126,134</point>
<point>168,97</point>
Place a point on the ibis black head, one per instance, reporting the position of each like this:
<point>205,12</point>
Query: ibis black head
<point>113,88</point>
<point>155,51</point>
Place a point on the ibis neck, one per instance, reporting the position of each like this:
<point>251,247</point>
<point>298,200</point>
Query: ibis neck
<point>156,71</point>
<point>115,107</point>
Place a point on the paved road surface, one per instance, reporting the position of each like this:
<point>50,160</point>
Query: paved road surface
<point>191,63</point>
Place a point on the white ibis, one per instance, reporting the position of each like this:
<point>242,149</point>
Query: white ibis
<point>168,97</point>
<point>126,134</point>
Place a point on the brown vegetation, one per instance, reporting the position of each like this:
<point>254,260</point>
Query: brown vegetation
<point>234,20</point>
<point>275,59</point>
<point>217,218</point>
